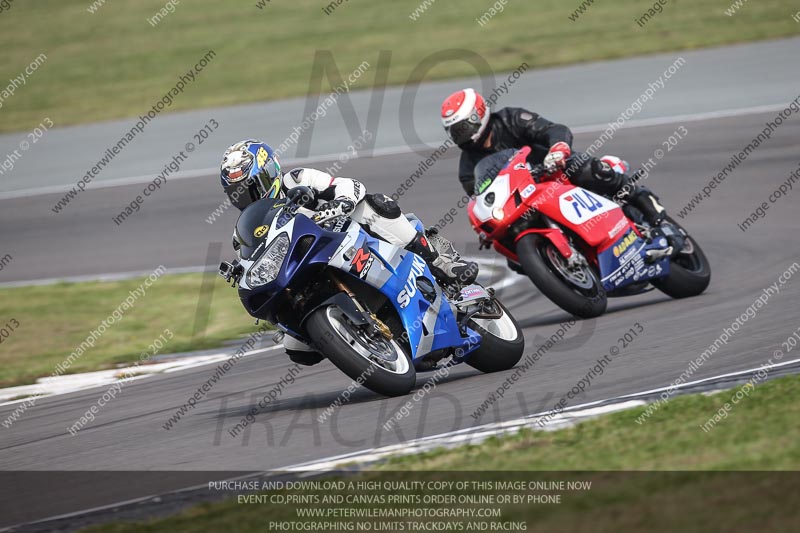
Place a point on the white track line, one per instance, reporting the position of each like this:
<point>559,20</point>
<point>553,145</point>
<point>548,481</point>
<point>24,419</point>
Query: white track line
<point>691,117</point>
<point>394,150</point>
<point>473,435</point>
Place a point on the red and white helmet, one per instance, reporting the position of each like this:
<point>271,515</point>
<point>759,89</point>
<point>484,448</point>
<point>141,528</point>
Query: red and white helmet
<point>465,116</point>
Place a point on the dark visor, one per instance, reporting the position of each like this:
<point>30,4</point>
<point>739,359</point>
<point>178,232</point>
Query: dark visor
<point>462,132</point>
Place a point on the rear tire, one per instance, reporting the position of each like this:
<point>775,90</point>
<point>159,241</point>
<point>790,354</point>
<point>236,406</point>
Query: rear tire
<point>339,340</point>
<point>502,343</point>
<point>689,273</point>
<point>537,256</point>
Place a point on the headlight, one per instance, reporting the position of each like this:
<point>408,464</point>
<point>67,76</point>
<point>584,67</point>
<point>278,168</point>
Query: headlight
<point>498,213</point>
<point>266,269</point>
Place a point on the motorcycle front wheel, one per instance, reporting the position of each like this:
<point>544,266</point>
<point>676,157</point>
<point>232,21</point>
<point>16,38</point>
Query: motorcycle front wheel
<point>379,364</point>
<point>576,291</point>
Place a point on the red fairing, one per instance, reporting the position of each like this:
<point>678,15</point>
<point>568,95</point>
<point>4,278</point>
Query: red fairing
<point>555,236</point>
<point>597,220</point>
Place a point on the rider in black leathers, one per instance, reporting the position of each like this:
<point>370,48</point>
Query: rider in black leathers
<point>479,133</point>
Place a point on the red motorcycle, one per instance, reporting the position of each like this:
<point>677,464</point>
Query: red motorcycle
<point>578,247</point>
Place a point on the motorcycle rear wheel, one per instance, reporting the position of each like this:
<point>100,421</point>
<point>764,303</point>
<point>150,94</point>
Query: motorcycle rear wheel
<point>363,358</point>
<point>582,296</point>
<point>689,271</point>
<point>502,342</point>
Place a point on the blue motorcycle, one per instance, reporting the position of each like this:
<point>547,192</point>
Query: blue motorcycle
<point>373,309</point>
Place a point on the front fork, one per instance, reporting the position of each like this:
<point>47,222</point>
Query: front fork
<point>553,233</point>
<point>375,325</point>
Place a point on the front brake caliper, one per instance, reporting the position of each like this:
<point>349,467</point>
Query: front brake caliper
<point>380,327</point>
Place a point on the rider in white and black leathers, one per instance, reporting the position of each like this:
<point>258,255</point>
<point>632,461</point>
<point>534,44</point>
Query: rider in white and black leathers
<point>250,171</point>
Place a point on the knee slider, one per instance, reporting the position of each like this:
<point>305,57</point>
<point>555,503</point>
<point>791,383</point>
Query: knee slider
<point>383,205</point>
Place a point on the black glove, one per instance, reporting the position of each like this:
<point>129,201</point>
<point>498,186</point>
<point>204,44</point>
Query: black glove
<point>302,197</point>
<point>335,208</point>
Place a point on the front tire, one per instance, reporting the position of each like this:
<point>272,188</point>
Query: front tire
<point>361,357</point>
<point>577,292</point>
<point>502,342</point>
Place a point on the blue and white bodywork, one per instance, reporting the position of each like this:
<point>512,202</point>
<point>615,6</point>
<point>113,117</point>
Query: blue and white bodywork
<point>290,268</point>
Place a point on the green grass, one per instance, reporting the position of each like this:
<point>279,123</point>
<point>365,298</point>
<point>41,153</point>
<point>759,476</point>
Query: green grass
<point>698,494</point>
<point>55,319</point>
<point>757,435</point>
<point>113,64</point>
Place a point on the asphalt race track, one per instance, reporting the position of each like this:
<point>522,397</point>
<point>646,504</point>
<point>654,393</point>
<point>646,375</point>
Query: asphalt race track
<point>171,230</point>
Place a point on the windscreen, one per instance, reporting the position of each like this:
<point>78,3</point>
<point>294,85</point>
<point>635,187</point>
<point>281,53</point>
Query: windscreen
<point>489,167</point>
<point>254,222</point>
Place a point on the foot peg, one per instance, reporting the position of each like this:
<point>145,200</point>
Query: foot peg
<point>656,255</point>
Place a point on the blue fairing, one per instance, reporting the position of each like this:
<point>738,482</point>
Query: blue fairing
<point>429,326</point>
<point>415,311</point>
<point>324,246</point>
<point>625,262</point>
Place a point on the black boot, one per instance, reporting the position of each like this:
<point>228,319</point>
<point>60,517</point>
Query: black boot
<point>629,192</point>
<point>625,189</point>
<point>646,202</point>
<point>444,266</point>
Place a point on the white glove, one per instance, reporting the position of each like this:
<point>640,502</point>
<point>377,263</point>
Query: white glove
<point>556,158</point>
